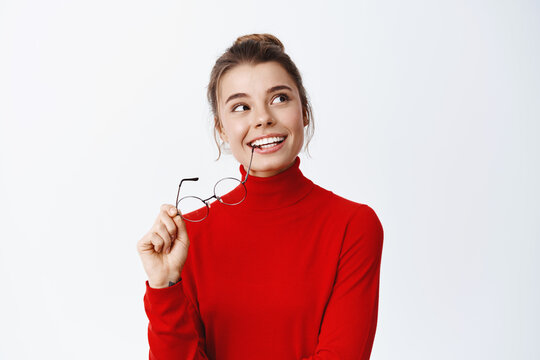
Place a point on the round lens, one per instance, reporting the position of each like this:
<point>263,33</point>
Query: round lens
<point>230,191</point>
<point>192,208</point>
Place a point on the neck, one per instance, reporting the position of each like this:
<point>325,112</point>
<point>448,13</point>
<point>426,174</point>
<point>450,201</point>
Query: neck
<point>269,173</point>
<point>279,190</point>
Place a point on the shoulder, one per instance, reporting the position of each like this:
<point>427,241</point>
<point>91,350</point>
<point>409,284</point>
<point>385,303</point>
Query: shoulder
<point>365,217</point>
<point>360,219</point>
<point>352,208</point>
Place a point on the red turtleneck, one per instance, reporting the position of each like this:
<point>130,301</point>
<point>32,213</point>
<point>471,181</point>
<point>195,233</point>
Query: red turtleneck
<point>290,273</point>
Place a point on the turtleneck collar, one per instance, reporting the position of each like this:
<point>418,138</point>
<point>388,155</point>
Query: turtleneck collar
<point>278,191</point>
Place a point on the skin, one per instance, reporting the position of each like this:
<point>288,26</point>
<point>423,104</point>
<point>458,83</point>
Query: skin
<point>258,113</point>
<point>163,249</point>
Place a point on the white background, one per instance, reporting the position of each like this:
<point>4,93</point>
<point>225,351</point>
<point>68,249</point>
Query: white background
<point>427,111</point>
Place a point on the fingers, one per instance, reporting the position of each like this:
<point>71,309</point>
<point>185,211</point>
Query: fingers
<point>180,225</point>
<point>169,226</point>
<point>161,230</point>
<point>157,241</point>
<point>168,209</point>
<point>172,212</point>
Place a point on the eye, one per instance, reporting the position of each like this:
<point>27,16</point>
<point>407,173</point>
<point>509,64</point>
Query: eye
<point>234,109</point>
<point>283,98</point>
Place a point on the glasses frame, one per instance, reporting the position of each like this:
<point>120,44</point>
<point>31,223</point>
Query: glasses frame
<point>205,201</point>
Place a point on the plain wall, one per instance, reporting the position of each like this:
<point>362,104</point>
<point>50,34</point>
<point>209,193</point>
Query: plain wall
<point>428,111</point>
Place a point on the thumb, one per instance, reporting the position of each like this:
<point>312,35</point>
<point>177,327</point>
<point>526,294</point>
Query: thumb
<point>179,222</point>
<point>173,211</point>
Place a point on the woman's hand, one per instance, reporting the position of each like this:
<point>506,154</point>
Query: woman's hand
<point>163,250</point>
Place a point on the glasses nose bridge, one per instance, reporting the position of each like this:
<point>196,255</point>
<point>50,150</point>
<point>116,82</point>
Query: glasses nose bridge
<point>211,197</point>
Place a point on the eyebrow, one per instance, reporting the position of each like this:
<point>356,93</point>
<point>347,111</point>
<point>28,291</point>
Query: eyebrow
<point>271,90</point>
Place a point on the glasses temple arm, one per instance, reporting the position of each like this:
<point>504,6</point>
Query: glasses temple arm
<point>249,166</point>
<point>188,179</point>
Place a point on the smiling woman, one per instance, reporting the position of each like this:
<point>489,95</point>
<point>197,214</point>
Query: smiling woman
<point>264,110</point>
<point>290,272</point>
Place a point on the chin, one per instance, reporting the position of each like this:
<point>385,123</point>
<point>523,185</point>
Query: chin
<point>272,165</point>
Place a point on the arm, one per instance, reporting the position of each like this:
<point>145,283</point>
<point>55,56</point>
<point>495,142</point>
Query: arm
<point>175,330</point>
<point>350,319</point>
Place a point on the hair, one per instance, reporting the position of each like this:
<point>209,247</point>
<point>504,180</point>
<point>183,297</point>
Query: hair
<point>255,49</point>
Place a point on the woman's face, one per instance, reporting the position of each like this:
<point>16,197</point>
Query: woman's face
<point>260,103</point>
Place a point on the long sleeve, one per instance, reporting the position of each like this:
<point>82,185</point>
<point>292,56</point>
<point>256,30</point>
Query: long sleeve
<point>291,273</point>
<point>175,330</point>
<point>350,320</point>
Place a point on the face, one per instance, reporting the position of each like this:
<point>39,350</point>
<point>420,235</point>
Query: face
<point>260,104</point>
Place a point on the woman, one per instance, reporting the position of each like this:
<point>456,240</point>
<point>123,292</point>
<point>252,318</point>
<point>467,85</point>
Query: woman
<point>292,272</point>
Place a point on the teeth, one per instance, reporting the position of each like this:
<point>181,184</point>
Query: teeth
<point>268,140</point>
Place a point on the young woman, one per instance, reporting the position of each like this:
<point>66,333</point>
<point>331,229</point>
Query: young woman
<point>291,272</point>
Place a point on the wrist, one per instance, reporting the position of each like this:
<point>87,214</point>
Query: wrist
<point>171,283</point>
<point>164,283</point>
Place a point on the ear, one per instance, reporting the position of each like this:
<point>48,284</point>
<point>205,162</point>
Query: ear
<point>306,120</point>
<point>222,134</point>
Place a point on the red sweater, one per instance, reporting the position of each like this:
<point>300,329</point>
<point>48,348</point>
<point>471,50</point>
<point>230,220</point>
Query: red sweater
<point>290,273</point>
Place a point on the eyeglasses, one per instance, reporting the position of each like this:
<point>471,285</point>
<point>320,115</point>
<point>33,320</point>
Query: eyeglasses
<point>195,209</point>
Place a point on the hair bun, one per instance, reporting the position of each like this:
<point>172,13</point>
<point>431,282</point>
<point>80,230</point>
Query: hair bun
<point>265,38</point>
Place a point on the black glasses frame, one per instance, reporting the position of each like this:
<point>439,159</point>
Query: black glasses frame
<point>205,201</point>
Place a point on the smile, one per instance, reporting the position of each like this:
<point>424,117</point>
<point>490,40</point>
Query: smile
<point>267,142</point>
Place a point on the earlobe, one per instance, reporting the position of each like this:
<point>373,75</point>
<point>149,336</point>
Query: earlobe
<point>223,136</point>
<point>220,131</point>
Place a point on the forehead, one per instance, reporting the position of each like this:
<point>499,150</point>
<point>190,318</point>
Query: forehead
<point>254,79</point>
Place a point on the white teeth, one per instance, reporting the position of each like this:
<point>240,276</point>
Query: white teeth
<point>268,140</point>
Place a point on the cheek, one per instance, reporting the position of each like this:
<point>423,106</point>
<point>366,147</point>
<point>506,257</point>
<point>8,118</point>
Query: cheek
<point>295,120</point>
<point>234,132</point>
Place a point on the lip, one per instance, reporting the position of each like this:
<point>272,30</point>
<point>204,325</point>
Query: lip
<point>271,149</point>
<point>265,136</point>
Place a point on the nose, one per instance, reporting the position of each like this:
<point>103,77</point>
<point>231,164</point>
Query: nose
<point>263,118</point>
